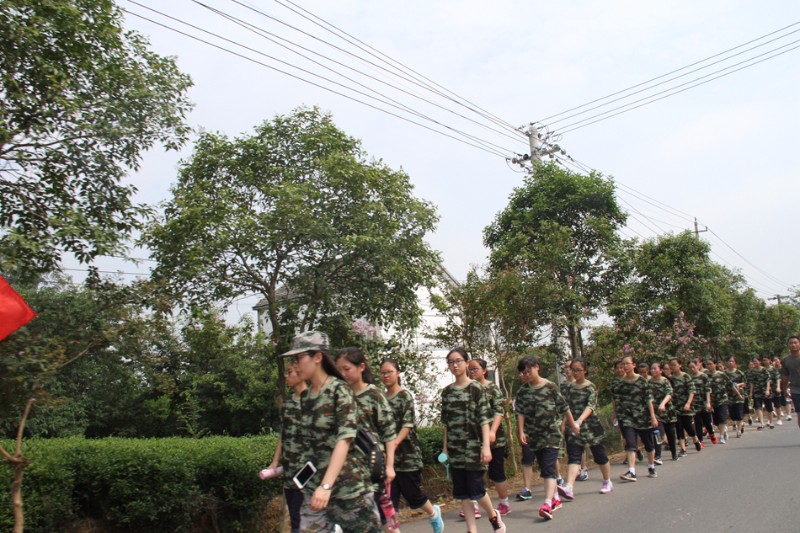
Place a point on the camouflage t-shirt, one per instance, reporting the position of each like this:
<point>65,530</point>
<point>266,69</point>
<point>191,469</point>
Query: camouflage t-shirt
<point>408,455</point>
<point>701,390</point>
<point>579,397</point>
<point>632,400</point>
<point>543,408</point>
<point>682,388</point>
<point>375,414</point>
<point>719,388</point>
<point>774,379</point>
<point>738,377</point>
<point>464,411</point>
<point>497,405</point>
<point>292,444</point>
<point>759,382</point>
<point>328,417</point>
<point>660,390</point>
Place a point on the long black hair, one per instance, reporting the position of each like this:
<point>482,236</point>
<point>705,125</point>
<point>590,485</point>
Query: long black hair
<point>354,355</point>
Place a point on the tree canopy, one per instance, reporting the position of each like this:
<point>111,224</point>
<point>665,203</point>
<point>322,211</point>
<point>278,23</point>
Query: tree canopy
<point>296,213</point>
<point>80,100</point>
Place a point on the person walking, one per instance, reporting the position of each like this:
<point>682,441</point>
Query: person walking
<point>339,492</point>
<point>790,373</point>
<point>466,417</point>
<point>633,402</point>
<point>664,408</point>
<point>737,395</point>
<point>581,397</point>
<point>408,453</point>
<point>683,397</point>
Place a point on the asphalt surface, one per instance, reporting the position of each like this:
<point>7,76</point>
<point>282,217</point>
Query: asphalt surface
<point>749,484</point>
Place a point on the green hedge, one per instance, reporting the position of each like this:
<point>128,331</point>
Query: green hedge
<point>143,485</point>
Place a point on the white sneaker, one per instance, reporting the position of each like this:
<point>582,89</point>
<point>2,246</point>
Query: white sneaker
<point>779,422</point>
<point>607,487</point>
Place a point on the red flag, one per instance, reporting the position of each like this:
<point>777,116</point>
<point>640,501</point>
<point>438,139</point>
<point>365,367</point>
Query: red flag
<point>14,312</point>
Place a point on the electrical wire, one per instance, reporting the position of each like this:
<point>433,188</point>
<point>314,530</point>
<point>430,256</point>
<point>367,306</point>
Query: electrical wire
<point>671,72</point>
<point>272,37</point>
<point>666,93</point>
<point>426,82</point>
<point>315,84</point>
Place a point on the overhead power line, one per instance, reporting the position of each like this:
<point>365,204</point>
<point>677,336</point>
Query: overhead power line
<point>316,84</point>
<point>647,82</point>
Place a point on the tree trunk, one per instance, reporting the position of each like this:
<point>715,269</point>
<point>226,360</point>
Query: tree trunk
<point>16,494</point>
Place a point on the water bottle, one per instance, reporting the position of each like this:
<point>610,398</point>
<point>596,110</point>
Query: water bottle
<point>385,501</point>
<point>657,435</point>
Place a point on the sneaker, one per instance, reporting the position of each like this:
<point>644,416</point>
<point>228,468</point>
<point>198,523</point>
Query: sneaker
<point>658,461</point>
<point>546,512</point>
<point>436,520</point>
<point>738,434</point>
<point>556,505</point>
<point>725,435</point>
<point>750,421</point>
<point>566,492</point>
<point>723,439</point>
<point>759,427</point>
<point>698,446</point>
<point>503,508</point>
<point>703,445</point>
<point>713,438</point>
<point>559,481</point>
<point>607,487</point>
<point>628,476</point>
<point>779,422</point>
<point>676,457</point>
<point>682,453</point>
<point>497,523</point>
<point>639,455</point>
<point>789,418</point>
<point>583,475</point>
<point>651,472</point>
<point>524,494</point>
<point>772,426</point>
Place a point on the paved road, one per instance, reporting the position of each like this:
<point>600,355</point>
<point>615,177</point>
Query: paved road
<point>749,485</point>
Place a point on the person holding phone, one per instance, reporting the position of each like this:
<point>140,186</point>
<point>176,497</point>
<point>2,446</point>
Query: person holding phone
<point>339,491</point>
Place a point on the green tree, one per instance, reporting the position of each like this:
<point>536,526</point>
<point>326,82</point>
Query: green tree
<point>80,100</point>
<point>674,275</point>
<point>560,228</point>
<point>297,214</point>
<point>775,324</point>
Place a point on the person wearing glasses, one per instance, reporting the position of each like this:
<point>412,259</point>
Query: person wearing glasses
<point>340,491</point>
<point>497,437</point>
<point>408,453</point>
<point>466,417</point>
<point>290,445</point>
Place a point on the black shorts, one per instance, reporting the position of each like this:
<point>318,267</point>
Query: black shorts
<point>779,401</point>
<point>758,403</point>
<point>467,484</point>
<point>527,455</point>
<point>736,410</point>
<point>497,467</point>
<point>720,415</point>
<point>408,485</point>
<point>294,501</point>
<point>547,458</point>
<point>646,435</point>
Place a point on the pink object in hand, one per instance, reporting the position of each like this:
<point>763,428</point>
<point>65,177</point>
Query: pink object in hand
<point>270,472</point>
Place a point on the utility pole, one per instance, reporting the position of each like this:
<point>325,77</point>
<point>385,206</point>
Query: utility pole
<point>778,297</point>
<point>698,231</point>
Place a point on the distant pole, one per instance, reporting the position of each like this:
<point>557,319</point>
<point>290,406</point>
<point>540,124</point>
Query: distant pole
<point>697,230</point>
<point>778,297</point>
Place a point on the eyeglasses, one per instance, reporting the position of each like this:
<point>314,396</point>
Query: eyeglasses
<point>457,362</point>
<point>474,369</point>
<point>296,358</point>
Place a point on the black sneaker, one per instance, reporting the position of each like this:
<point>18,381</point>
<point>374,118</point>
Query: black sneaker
<point>651,472</point>
<point>524,494</point>
<point>682,453</point>
<point>639,455</point>
<point>628,476</point>
<point>698,446</point>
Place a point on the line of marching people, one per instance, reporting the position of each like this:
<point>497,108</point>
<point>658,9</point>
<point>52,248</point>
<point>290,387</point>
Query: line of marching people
<point>328,485</point>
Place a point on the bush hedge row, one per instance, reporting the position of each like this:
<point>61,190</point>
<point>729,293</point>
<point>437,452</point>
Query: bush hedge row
<point>170,484</point>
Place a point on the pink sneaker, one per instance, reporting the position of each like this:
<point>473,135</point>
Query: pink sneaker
<point>503,508</point>
<point>556,505</point>
<point>546,512</point>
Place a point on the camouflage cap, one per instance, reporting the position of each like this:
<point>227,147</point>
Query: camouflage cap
<point>310,340</point>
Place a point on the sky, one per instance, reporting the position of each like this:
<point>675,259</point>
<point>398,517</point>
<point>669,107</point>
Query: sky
<point>722,152</point>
